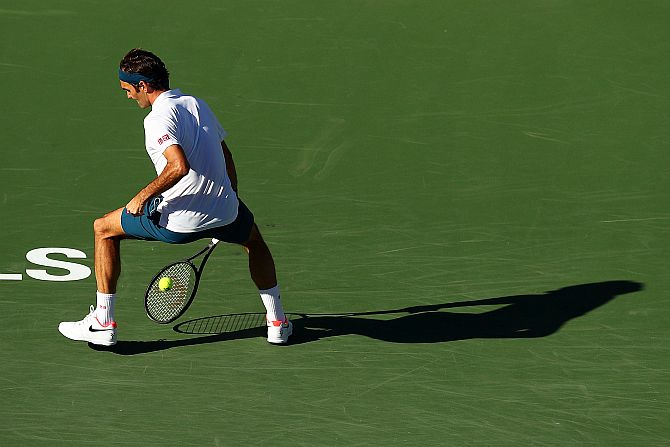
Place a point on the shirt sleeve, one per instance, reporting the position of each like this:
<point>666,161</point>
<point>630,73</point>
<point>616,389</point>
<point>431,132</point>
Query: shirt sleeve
<point>160,133</point>
<point>211,118</point>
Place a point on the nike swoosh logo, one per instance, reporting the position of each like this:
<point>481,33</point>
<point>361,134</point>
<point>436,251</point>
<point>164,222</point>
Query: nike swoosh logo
<point>98,330</point>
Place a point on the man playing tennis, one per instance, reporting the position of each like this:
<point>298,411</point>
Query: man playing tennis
<point>194,196</point>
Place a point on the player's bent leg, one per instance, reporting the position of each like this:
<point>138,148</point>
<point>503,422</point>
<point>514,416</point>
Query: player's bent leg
<point>108,233</point>
<point>261,264</point>
<point>263,273</point>
<point>99,327</point>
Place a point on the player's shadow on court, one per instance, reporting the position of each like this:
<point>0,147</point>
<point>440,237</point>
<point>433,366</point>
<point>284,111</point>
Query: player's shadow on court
<point>520,316</point>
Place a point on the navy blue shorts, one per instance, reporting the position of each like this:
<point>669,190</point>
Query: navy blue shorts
<point>146,227</point>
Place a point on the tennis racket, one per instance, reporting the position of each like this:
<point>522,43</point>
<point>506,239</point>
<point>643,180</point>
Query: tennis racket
<point>165,306</point>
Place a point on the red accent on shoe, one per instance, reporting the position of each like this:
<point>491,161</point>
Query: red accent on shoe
<point>278,323</point>
<point>111,323</point>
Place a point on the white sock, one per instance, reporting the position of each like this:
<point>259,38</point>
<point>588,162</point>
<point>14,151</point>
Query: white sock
<point>272,302</point>
<point>104,310</point>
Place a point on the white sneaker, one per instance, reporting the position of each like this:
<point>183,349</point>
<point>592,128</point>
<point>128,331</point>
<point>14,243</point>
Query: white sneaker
<point>279,332</point>
<point>90,329</point>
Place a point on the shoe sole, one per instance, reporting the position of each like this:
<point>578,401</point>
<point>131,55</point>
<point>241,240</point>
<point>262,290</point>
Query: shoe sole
<point>112,343</point>
<point>98,342</point>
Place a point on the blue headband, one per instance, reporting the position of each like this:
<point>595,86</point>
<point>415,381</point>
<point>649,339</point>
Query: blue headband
<point>133,78</point>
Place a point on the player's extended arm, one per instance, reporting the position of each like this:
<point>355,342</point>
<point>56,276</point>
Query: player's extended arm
<point>230,165</point>
<point>177,167</point>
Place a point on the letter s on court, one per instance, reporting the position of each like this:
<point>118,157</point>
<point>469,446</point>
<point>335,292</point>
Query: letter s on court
<point>39,256</point>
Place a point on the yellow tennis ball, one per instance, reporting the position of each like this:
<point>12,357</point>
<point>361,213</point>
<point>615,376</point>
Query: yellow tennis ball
<point>165,283</point>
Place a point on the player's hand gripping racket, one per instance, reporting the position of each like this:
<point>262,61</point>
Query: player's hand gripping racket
<point>166,301</point>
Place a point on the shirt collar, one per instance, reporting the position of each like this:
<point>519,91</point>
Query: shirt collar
<point>174,93</point>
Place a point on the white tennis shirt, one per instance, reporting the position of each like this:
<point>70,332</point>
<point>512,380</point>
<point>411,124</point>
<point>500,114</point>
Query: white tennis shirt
<point>204,198</point>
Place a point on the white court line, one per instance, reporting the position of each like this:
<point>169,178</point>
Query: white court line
<point>634,220</point>
<point>11,277</point>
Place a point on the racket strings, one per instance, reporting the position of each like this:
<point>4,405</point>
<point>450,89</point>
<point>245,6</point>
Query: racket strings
<point>165,305</point>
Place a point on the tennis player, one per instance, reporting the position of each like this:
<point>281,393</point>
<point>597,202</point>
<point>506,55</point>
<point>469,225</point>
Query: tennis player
<point>194,196</point>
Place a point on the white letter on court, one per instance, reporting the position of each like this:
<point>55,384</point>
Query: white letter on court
<point>39,256</point>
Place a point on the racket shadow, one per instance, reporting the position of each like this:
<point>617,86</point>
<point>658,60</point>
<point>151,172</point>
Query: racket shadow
<point>211,329</point>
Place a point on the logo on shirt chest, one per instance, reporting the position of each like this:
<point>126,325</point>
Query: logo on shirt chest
<point>163,139</point>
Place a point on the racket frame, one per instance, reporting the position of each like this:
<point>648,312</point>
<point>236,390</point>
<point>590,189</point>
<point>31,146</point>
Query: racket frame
<point>198,272</point>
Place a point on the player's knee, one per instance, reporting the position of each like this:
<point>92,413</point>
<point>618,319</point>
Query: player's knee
<point>102,227</point>
<point>254,236</point>
<point>108,225</point>
<point>99,226</point>
<point>255,241</point>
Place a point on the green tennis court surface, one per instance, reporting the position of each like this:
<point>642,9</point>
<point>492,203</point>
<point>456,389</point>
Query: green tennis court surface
<point>466,200</point>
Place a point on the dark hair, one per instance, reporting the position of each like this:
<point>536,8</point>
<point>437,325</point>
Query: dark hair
<point>148,64</point>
